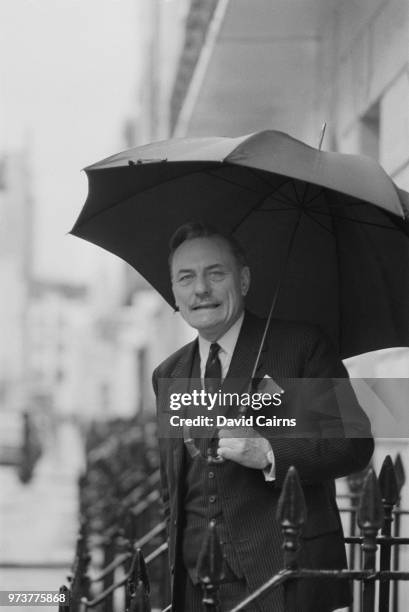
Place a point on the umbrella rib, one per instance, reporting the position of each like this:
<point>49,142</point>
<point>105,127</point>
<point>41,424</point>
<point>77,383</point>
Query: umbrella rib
<point>314,197</point>
<point>248,213</point>
<point>306,187</point>
<point>171,180</point>
<point>270,210</point>
<point>280,195</point>
<point>276,294</point>
<point>283,195</point>
<point>256,207</point>
<point>302,201</point>
<point>230,182</point>
<point>338,296</point>
<point>127,198</point>
<point>307,213</point>
<point>350,204</point>
<point>353,204</point>
<point>262,176</point>
<point>297,199</point>
<point>282,200</point>
<point>226,180</point>
<point>259,176</point>
<point>359,221</point>
<point>366,237</point>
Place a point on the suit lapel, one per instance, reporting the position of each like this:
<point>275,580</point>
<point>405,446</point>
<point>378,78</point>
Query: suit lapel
<point>181,383</point>
<point>245,352</point>
<point>183,367</point>
<point>180,376</point>
<point>238,378</point>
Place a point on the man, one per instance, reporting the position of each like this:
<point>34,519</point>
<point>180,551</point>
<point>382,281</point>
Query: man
<point>210,280</point>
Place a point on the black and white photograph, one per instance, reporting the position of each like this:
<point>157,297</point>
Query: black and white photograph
<point>204,346</point>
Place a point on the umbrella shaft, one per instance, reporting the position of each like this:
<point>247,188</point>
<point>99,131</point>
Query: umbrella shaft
<point>275,297</point>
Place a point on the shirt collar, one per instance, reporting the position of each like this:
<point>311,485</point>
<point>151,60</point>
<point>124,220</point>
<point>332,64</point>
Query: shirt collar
<point>227,342</point>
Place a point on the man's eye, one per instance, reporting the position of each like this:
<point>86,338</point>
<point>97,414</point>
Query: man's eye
<point>185,279</point>
<point>216,275</point>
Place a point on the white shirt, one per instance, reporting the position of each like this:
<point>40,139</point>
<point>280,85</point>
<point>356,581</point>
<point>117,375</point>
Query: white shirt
<point>227,344</point>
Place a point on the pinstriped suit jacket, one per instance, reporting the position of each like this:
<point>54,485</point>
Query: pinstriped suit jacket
<point>291,350</point>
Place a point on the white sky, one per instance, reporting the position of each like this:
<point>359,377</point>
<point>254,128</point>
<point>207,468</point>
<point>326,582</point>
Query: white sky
<point>68,79</point>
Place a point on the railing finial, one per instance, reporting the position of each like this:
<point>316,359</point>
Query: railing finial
<point>137,586</point>
<point>400,472</point>
<point>388,483</point>
<point>370,511</point>
<point>291,514</point>
<point>210,568</point>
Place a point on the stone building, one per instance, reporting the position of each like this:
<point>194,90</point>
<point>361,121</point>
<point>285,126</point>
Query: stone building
<point>292,66</point>
<point>247,65</point>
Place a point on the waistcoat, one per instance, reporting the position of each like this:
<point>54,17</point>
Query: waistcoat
<point>202,502</point>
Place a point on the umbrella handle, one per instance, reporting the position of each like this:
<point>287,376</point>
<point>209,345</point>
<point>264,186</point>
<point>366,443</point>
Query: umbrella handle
<point>212,460</point>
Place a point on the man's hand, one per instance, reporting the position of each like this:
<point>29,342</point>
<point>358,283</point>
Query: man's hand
<point>244,445</point>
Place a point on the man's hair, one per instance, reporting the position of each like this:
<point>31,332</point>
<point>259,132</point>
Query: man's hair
<point>196,229</point>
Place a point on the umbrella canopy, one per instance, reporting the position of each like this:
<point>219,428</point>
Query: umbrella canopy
<point>336,223</point>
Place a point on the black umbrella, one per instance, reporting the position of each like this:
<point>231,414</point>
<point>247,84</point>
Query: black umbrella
<point>326,234</point>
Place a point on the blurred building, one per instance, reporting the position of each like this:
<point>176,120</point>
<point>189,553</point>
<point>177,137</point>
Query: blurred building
<point>132,329</point>
<point>256,68</point>
<point>85,348</point>
<point>135,328</point>
<point>162,24</point>
<point>230,67</point>
<point>15,260</point>
<point>58,316</point>
<point>88,347</point>
<point>15,271</point>
<point>292,66</point>
<point>364,81</point>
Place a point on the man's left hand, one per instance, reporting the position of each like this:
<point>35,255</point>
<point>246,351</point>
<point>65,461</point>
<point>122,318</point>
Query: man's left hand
<point>244,445</point>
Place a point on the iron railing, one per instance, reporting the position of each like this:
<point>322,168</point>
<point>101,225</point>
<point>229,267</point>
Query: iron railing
<point>372,504</point>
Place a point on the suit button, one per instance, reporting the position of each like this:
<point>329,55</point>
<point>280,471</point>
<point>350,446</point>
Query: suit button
<point>212,499</point>
<point>211,474</point>
<point>175,522</point>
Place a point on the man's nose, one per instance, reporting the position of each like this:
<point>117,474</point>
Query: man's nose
<point>202,286</point>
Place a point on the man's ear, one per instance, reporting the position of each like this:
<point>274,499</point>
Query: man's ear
<point>244,280</point>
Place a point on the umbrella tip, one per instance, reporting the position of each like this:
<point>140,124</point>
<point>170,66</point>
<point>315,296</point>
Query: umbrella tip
<point>322,134</point>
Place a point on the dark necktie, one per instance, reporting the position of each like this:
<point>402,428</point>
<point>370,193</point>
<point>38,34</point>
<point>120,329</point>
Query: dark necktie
<point>213,370</point>
<point>196,438</point>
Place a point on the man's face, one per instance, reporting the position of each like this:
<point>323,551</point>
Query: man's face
<point>208,284</point>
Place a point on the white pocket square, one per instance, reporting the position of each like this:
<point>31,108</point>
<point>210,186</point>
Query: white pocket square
<point>269,385</point>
